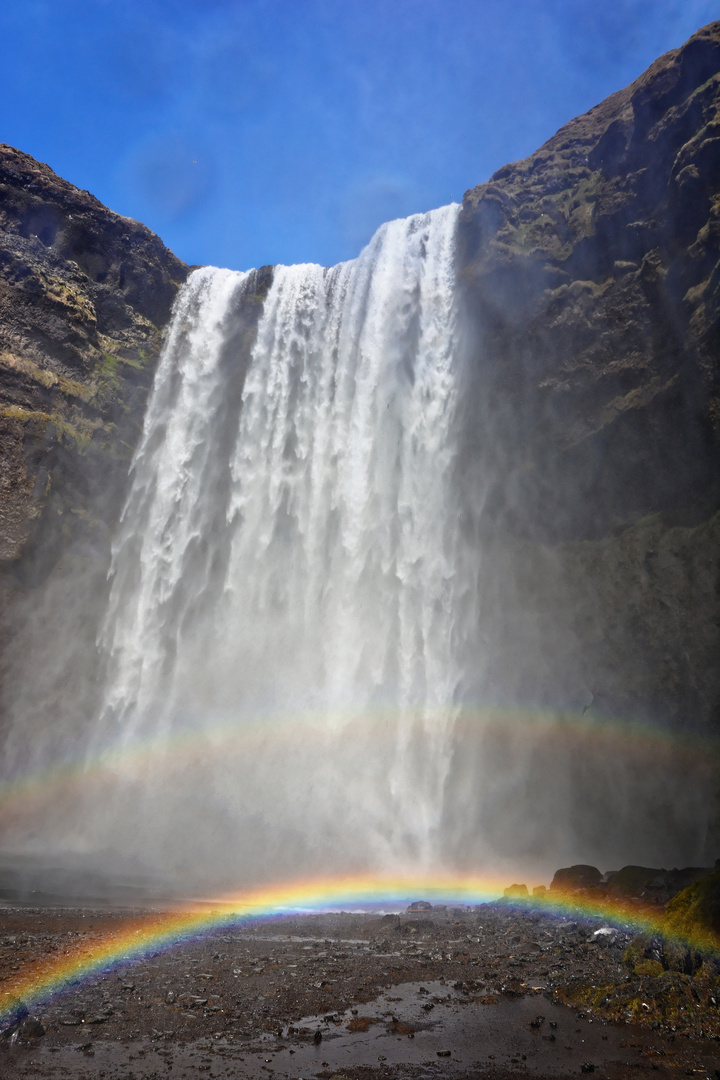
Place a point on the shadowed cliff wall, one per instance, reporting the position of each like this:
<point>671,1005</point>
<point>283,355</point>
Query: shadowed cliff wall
<point>591,284</point>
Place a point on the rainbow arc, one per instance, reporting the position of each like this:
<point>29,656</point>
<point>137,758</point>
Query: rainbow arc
<point>41,980</point>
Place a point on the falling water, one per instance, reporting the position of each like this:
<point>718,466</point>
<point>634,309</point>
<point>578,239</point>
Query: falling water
<point>290,543</point>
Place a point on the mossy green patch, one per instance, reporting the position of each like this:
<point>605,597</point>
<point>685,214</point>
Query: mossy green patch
<point>636,951</point>
<point>77,435</point>
<point>46,377</point>
<point>694,914</point>
<point>666,999</point>
<point>77,303</point>
<point>648,967</point>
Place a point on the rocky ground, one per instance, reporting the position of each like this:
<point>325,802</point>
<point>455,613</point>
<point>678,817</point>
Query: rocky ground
<point>463,992</point>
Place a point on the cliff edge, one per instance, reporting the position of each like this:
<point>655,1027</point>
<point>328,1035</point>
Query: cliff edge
<point>590,277</point>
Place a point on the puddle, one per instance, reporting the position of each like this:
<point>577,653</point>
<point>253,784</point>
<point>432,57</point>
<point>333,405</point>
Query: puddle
<point>450,1027</point>
<point>425,1026</point>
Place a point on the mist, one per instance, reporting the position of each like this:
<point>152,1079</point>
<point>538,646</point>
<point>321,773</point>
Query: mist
<point>327,637</point>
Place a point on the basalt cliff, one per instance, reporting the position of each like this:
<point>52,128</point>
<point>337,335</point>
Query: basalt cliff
<point>589,277</point>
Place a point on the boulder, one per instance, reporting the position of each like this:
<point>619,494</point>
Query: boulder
<point>694,914</point>
<point>575,878</point>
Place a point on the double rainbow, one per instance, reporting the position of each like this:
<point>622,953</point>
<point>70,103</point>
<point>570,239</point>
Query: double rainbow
<point>26,795</point>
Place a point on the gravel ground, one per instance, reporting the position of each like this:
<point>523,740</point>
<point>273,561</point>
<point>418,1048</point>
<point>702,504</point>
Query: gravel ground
<point>489,991</point>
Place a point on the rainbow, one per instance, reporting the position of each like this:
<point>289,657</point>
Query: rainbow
<point>137,937</point>
<point>128,760</point>
<point>29,793</point>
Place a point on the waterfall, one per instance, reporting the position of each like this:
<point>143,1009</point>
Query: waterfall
<point>289,545</point>
<point>317,655</point>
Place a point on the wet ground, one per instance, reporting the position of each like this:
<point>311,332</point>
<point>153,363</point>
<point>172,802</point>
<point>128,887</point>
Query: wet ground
<point>486,992</point>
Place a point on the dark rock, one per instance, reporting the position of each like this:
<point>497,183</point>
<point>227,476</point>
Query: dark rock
<point>13,1021</point>
<point>30,1028</point>
<point>590,279</point>
<point>634,880</point>
<point>651,883</point>
<point>694,914</point>
<point>572,878</point>
<point>516,892</point>
<point>420,905</point>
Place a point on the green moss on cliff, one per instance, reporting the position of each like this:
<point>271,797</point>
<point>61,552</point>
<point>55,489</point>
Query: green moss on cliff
<point>694,914</point>
<point>52,425</point>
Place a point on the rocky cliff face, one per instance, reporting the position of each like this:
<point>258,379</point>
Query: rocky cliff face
<point>591,281</point>
<point>592,277</point>
<point>84,294</point>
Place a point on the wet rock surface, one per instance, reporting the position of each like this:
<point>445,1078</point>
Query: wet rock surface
<point>487,991</point>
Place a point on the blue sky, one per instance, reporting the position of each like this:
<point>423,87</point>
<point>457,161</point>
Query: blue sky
<point>258,131</point>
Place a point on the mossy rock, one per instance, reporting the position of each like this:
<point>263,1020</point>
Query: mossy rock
<point>637,951</point>
<point>648,967</point>
<point>677,957</point>
<point>694,914</point>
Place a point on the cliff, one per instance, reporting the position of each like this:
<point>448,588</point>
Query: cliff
<point>591,283</point>
<point>592,276</point>
<point>84,294</point>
